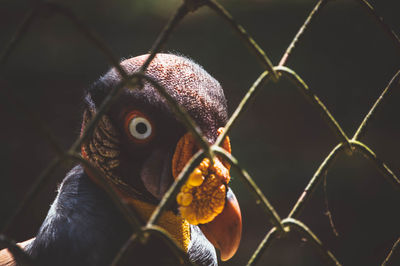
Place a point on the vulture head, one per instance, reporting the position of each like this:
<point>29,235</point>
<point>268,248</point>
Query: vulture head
<point>141,147</point>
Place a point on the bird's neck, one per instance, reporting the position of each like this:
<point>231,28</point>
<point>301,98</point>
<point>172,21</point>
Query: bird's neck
<point>175,225</point>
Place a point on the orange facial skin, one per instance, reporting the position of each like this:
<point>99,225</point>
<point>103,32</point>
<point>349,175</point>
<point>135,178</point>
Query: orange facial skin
<point>205,198</point>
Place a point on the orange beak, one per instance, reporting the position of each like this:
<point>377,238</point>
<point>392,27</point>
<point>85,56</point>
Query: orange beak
<point>223,228</point>
<point>225,231</point>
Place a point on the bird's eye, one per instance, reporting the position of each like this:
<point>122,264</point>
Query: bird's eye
<point>138,127</point>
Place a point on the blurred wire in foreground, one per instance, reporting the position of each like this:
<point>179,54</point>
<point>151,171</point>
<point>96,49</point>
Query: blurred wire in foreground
<point>280,226</point>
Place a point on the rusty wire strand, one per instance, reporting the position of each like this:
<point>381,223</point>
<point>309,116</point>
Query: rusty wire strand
<point>144,235</point>
<point>394,83</point>
<point>263,246</point>
<point>261,80</point>
<point>18,35</point>
<point>163,234</point>
<point>309,235</point>
<point>46,133</point>
<point>129,244</point>
<point>380,165</point>
<point>162,206</point>
<point>385,27</point>
<point>128,212</point>
<point>280,226</point>
<point>246,38</point>
<point>315,180</point>
<point>165,34</point>
<point>328,211</point>
<point>293,224</point>
<point>358,146</point>
<point>311,17</point>
<point>44,176</point>
<point>181,113</point>
<point>111,97</point>
<point>323,169</point>
<point>174,189</point>
<point>264,77</point>
<point>267,206</point>
<point>34,118</point>
<point>314,100</point>
<point>394,247</point>
<point>37,184</point>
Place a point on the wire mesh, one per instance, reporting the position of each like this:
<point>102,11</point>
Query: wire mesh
<point>280,226</point>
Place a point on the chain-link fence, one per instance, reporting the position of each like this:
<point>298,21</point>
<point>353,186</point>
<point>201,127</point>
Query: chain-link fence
<point>281,226</point>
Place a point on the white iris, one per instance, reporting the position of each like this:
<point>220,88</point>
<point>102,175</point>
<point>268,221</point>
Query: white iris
<point>140,128</point>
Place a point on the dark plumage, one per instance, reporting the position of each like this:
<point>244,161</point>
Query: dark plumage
<point>133,146</point>
<point>81,223</point>
<point>83,227</point>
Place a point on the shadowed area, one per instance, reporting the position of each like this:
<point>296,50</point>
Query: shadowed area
<point>280,140</point>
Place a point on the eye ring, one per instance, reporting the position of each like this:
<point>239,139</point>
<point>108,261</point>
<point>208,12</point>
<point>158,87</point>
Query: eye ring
<point>138,127</point>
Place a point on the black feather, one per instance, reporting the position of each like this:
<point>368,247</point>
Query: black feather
<point>83,227</point>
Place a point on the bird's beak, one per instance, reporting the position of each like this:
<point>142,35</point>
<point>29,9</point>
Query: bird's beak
<point>223,231</point>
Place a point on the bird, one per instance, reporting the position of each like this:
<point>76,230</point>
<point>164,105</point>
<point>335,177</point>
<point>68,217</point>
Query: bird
<point>141,147</point>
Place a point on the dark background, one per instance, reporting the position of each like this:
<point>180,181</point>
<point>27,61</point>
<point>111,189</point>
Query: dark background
<point>281,139</point>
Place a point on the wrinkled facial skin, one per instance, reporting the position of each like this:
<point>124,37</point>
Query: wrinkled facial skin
<point>145,164</point>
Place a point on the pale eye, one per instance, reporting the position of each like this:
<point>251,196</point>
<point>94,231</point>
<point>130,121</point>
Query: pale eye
<point>140,128</point>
